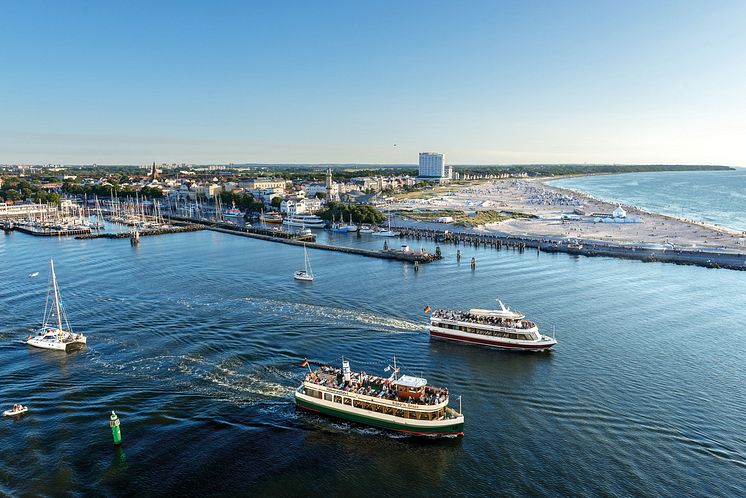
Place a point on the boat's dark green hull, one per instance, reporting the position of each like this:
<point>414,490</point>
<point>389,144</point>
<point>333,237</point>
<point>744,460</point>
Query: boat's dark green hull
<point>456,429</point>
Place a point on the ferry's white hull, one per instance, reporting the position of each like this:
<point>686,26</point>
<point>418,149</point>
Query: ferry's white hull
<point>543,344</point>
<point>307,224</point>
<point>445,427</point>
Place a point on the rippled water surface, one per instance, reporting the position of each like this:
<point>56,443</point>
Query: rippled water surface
<point>196,339</point>
<point>713,197</point>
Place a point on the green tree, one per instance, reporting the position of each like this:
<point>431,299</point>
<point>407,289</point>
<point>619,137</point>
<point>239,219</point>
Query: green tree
<point>361,213</point>
<point>276,201</point>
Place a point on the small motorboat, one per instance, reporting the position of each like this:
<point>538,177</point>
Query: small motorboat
<point>32,275</point>
<point>16,410</point>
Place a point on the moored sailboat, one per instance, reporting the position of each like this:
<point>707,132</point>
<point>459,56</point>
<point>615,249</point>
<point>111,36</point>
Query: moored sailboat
<point>55,332</point>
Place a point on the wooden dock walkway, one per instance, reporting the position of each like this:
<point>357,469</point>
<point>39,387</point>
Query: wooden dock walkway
<point>711,258</point>
<point>143,233</point>
<point>45,232</point>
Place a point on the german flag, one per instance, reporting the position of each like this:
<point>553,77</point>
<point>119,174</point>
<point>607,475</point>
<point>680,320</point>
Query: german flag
<point>427,309</point>
<point>305,363</point>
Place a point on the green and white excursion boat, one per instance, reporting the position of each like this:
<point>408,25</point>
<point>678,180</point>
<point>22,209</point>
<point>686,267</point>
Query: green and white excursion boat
<point>400,402</point>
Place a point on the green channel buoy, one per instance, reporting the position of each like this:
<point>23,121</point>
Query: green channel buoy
<point>116,432</point>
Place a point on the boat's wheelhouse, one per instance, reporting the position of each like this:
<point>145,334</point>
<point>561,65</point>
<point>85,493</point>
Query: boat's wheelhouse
<point>408,387</point>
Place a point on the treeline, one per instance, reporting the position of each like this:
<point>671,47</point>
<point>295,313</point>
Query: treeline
<point>72,188</point>
<point>582,169</point>
<point>243,201</point>
<point>18,189</point>
<point>361,213</point>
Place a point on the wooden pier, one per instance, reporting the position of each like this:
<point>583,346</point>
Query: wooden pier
<point>43,232</point>
<point>710,258</point>
<point>143,233</point>
<point>309,240</point>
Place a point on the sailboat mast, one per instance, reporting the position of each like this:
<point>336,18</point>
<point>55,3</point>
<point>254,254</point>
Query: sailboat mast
<point>56,296</point>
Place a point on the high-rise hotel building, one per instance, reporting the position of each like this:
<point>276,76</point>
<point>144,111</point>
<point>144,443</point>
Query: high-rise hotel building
<point>433,167</point>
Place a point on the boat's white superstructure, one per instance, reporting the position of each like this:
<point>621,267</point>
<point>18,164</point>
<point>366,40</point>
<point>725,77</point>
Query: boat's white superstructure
<point>304,221</point>
<point>233,212</point>
<point>270,218</point>
<point>501,328</point>
<point>384,233</point>
<point>305,275</point>
<point>55,332</point>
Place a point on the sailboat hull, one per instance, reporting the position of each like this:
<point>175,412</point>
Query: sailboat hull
<point>57,345</point>
<point>303,276</point>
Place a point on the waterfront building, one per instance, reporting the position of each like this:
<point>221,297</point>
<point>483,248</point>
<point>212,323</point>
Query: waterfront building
<point>292,207</point>
<point>312,189</point>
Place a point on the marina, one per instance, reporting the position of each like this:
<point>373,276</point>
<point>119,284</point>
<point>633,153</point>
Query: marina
<point>440,249</point>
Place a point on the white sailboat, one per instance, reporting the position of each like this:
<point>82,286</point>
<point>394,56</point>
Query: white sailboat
<point>54,334</point>
<point>306,274</point>
<point>386,233</point>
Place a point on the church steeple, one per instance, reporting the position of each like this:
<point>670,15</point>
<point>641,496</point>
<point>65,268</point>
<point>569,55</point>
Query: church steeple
<point>154,172</point>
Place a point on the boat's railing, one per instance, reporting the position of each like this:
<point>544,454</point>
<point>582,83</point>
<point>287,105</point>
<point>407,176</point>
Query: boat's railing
<point>528,325</point>
<point>416,405</point>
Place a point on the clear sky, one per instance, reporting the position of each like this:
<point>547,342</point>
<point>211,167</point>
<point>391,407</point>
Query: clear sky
<point>484,82</point>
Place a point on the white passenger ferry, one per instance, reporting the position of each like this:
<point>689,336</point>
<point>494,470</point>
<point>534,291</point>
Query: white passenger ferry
<point>304,221</point>
<point>501,328</point>
<point>400,402</point>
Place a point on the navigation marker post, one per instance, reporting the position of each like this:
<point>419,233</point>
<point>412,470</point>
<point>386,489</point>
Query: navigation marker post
<point>116,432</point>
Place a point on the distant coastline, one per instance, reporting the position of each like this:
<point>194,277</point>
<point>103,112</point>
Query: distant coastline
<point>649,207</point>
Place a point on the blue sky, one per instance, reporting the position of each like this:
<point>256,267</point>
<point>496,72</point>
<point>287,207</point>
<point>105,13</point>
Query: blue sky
<point>313,82</point>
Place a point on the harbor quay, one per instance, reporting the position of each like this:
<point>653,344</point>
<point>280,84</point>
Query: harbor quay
<point>308,240</point>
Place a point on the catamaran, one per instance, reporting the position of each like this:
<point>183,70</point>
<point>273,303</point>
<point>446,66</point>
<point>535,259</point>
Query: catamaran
<point>400,403</point>
<point>306,274</point>
<point>55,332</point>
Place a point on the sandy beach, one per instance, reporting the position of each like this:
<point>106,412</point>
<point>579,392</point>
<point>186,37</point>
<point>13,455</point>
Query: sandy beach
<point>564,213</point>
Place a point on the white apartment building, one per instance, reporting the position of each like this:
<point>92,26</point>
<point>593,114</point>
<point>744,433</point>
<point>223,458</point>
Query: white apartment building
<point>300,206</point>
<point>433,167</point>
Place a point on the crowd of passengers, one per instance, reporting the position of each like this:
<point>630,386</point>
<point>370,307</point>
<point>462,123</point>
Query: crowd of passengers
<point>371,385</point>
<point>463,316</point>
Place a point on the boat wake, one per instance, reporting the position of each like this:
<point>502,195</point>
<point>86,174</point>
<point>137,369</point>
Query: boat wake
<point>343,316</point>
